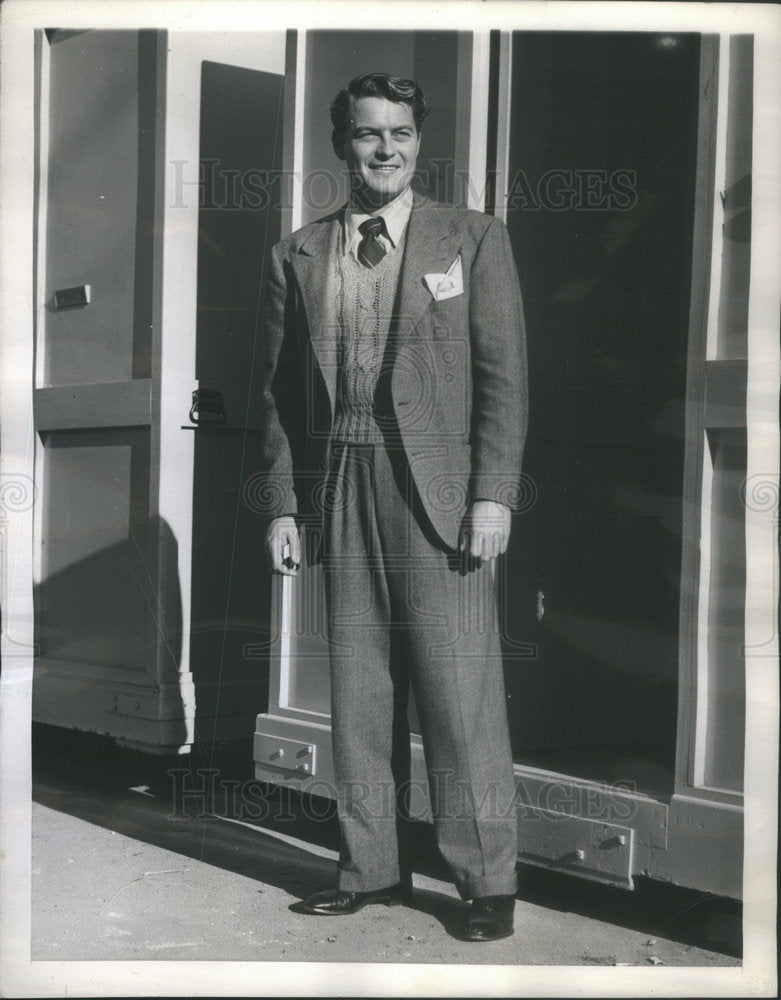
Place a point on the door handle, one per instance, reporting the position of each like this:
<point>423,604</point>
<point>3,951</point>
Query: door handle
<point>208,407</point>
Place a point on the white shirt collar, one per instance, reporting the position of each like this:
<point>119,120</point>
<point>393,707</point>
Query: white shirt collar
<point>395,214</point>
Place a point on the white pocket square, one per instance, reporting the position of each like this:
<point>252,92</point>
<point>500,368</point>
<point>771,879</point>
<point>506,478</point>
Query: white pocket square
<point>445,286</point>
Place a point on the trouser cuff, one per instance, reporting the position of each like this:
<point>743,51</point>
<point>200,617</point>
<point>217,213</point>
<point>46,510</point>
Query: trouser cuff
<point>486,885</point>
<point>367,881</point>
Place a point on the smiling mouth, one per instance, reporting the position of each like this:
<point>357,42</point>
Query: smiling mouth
<point>384,167</point>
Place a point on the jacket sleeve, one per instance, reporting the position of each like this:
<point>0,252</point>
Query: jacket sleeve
<point>499,370</point>
<point>282,397</point>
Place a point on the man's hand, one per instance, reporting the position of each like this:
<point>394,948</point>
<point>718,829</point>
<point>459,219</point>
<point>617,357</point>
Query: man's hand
<point>282,533</point>
<point>485,532</point>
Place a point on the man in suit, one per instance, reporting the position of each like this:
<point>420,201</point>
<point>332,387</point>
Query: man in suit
<point>395,416</point>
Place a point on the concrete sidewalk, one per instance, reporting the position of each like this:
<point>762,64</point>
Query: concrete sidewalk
<point>119,875</point>
<point>103,895</point>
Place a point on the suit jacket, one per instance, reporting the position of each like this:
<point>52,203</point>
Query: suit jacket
<point>457,379</point>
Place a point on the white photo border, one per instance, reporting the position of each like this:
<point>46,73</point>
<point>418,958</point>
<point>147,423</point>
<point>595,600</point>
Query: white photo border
<point>21,976</point>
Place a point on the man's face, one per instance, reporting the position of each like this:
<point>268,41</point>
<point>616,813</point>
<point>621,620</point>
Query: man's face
<point>380,147</point>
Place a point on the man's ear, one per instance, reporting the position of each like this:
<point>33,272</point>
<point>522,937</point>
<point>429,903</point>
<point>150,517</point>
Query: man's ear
<point>337,141</point>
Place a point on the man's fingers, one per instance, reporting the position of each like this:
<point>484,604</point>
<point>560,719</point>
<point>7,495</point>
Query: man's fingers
<point>486,544</point>
<point>484,536</point>
<point>280,560</point>
<point>283,547</point>
<point>285,563</point>
<point>295,547</point>
<point>288,552</point>
<point>472,558</point>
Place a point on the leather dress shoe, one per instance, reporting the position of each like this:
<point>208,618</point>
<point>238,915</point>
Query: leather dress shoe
<point>490,918</point>
<point>338,902</point>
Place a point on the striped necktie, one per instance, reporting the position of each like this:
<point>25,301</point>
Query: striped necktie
<point>370,250</point>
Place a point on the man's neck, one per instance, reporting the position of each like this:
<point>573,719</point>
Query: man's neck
<point>360,203</point>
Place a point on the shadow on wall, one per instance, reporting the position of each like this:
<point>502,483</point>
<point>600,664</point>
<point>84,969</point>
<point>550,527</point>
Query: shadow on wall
<point>109,640</point>
<point>109,637</point>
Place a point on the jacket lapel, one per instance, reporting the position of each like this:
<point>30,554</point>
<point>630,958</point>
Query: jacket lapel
<point>314,267</point>
<point>431,246</point>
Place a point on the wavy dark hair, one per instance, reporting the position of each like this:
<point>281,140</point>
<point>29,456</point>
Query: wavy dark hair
<point>392,88</point>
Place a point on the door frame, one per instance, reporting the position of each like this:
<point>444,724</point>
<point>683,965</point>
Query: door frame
<point>621,832</point>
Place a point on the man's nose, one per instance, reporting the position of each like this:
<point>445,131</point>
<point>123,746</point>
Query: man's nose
<point>386,147</point>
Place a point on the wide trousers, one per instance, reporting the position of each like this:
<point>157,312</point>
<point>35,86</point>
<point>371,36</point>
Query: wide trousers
<point>403,610</point>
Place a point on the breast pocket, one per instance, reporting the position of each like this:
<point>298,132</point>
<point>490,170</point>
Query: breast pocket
<point>450,317</point>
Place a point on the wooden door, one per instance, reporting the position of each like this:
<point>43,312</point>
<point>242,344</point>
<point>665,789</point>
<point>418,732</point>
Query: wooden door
<point>241,148</point>
<point>600,207</point>
<point>108,595</point>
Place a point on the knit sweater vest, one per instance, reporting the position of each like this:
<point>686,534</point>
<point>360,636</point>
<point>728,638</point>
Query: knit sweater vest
<point>365,299</point>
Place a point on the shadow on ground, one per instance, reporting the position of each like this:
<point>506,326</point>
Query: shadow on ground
<point>210,808</point>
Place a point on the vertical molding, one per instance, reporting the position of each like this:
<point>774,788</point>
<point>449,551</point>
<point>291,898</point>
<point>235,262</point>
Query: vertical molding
<point>282,623</point>
<point>174,377</point>
<point>165,583</point>
<point>690,746</point>
<point>504,103</point>
<point>282,591</point>
<point>17,490</point>
<point>162,430</point>
<point>472,189</point>
<point>719,185</point>
<point>297,179</point>
<point>158,224</point>
<point>762,506</point>
<point>702,621</point>
<point>292,90</point>
<point>43,86</point>
<point>41,202</point>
